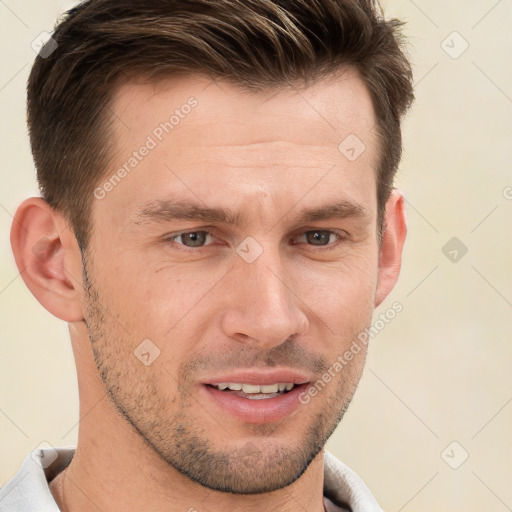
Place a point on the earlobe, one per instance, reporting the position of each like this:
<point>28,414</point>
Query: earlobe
<point>392,244</point>
<point>48,258</point>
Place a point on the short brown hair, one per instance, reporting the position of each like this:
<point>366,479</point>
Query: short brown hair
<point>257,44</point>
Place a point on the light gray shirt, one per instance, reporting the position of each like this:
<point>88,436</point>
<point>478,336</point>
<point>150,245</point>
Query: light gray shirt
<point>28,490</point>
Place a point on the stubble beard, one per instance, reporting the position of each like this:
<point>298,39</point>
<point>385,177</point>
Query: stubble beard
<point>261,464</point>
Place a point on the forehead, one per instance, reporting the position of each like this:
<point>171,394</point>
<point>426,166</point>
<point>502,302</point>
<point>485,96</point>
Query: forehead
<point>214,140</point>
<point>321,114</point>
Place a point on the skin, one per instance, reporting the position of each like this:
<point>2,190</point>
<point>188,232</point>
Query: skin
<point>150,438</point>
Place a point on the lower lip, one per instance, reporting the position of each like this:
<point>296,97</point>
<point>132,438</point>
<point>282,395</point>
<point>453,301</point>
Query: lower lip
<point>266,410</point>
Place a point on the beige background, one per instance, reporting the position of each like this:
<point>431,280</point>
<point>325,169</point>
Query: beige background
<point>440,371</point>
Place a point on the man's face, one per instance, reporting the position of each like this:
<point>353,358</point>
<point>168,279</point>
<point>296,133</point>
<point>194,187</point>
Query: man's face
<point>271,293</point>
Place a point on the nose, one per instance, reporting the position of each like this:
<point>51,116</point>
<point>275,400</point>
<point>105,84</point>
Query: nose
<point>262,308</point>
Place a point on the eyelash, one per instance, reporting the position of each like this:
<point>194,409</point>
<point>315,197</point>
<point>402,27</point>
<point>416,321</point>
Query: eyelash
<point>339,237</point>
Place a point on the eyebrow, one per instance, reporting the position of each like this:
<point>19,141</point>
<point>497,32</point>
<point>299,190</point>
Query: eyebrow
<point>162,211</point>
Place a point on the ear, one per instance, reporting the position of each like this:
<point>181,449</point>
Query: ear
<point>393,238</point>
<point>48,258</point>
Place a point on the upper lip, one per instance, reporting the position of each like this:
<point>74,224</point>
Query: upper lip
<point>259,376</point>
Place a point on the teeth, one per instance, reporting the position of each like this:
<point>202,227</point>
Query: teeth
<point>254,388</point>
<point>261,396</point>
<point>249,388</point>
<point>271,388</point>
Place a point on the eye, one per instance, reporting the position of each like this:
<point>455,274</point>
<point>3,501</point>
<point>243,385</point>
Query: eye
<point>192,238</point>
<point>320,237</point>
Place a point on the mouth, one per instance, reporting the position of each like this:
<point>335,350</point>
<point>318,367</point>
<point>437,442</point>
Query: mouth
<point>256,397</point>
<point>255,391</point>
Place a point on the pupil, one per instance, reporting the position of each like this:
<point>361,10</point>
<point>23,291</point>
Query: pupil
<point>319,236</point>
<point>197,238</point>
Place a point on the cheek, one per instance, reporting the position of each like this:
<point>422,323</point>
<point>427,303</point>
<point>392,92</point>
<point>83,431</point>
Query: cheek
<point>172,308</point>
<point>342,294</point>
